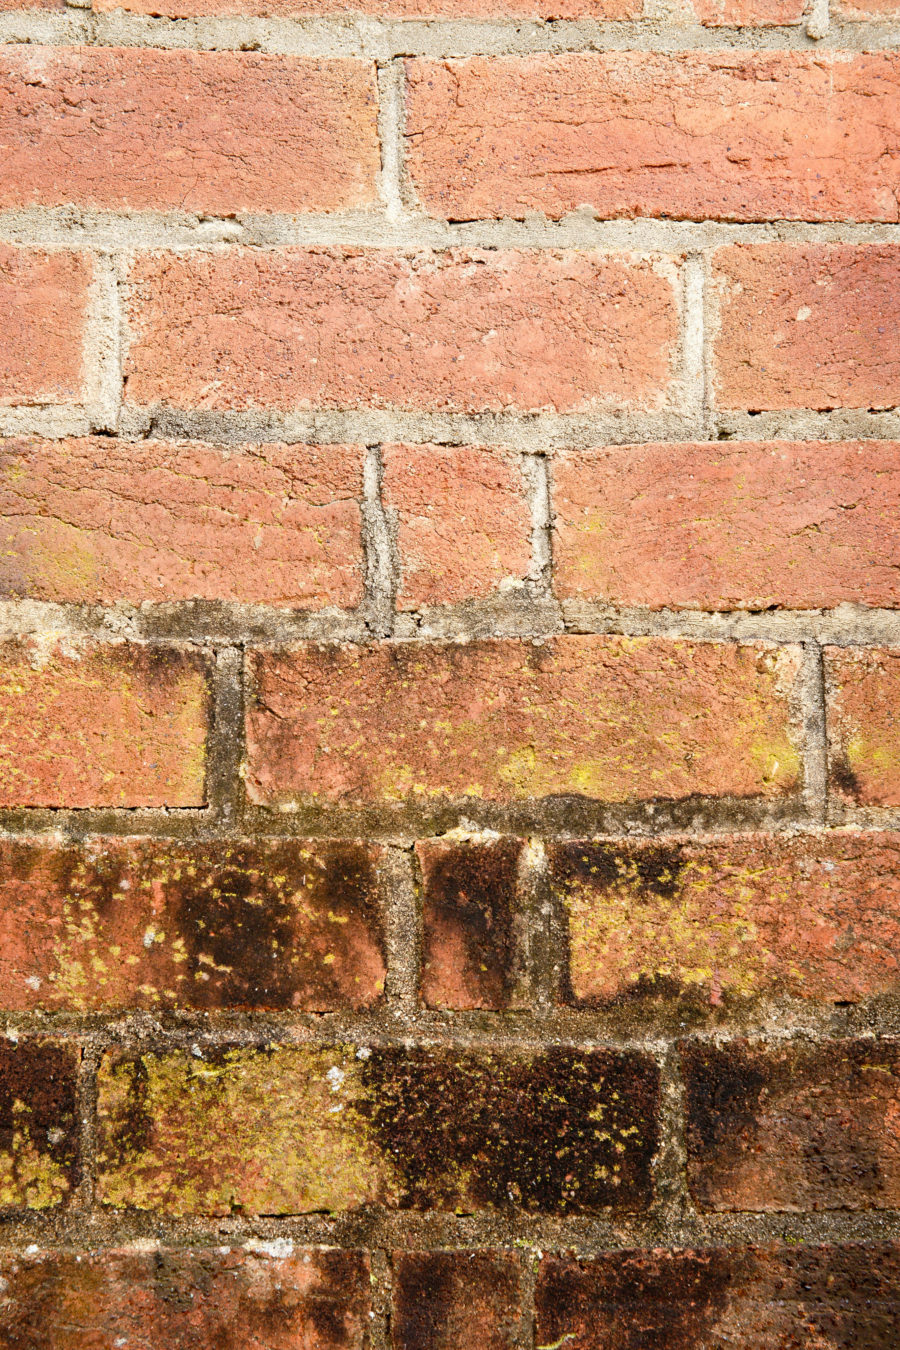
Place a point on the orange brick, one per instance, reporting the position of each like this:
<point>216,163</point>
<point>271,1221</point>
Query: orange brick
<point>752,13</point>
<point>99,521</point>
<point>43,306</point>
<point>101,726</point>
<point>726,135</point>
<point>808,325</point>
<point>334,328</point>
<point>242,131</point>
<point>864,724</point>
<point>609,718</point>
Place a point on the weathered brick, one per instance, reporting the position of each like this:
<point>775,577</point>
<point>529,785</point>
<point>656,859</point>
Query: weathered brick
<point>807,325</point>
<point>863,687</point>
<point>812,916</point>
<point>294,1129</point>
<point>458,1300</point>
<point>242,131</point>
<point>463,523</point>
<point>803,525</point>
<point>124,923</point>
<point>187,1298</point>
<point>95,725</point>
<point>609,718</point>
<point>473,939</point>
<point>97,521</point>
<point>39,1132</point>
<point>43,307</point>
<point>343,328</point>
<point>793,1126</point>
<point>722,135</point>
<point>744,1298</point>
<point>753,13</point>
<point>868,9</point>
<point>388,9</point>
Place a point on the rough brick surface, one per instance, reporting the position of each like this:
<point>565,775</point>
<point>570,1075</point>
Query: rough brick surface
<point>508,721</point>
<point>806,326</point>
<point>813,916</point>
<point>462,520</point>
<point>758,13</point>
<point>742,1297</point>
<point>99,521</point>
<point>43,306</point>
<point>242,131</point>
<point>864,724</point>
<point>187,1299</point>
<point>89,725</point>
<point>795,1126</point>
<point>458,330</point>
<point>113,924</point>
<point>473,927</point>
<point>39,1134</point>
<point>205,1133</point>
<point>456,1300</point>
<point>721,135</point>
<point>730,525</point>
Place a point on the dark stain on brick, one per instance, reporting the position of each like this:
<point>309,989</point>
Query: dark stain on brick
<point>133,1132</point>
<point>722,1093</point>
<point>470,908</point>
<point>655,868</point>
<point>842,778</point>
<point>453,1299</point>
<point>559,1132</point>
<point>39,1103</point>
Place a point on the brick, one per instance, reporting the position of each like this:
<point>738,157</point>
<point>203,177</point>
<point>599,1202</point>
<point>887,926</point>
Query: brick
<point>473,939</point>
<point>457,1300</point>
<point>216,1131</point>
<point>600,717</point>
<point>744,1297</point>
<point>43,308</point>
<point>721,135</point>
<point>387,9</point>
<point>793,1126</point>
<point>187,1298</point>
<point>343,328</point>
<point>242,131</point>
<point>39,1131</point>
<point>462,520</point>
<point>868,9</point>
<point>94,725</point>
<point>814,916</point>
<point>97,521</point>
<point>123,923</point>
<point>807,326</point>
<point>752,13</point>
<point>863,691</point>
<point>805,525</point>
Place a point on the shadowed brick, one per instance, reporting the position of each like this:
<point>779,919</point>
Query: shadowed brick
<point>43,307</point>
<point>457,1300</point>
<point>864,724</point>
<point>39,1130</point>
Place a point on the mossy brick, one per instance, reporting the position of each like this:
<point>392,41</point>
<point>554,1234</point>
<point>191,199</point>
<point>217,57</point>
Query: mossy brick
<point>40,1159</point>
<point>111,924</point>
<point>863,701</point>
<point>256,1296</point>
<point>299,1129</point>
<point>608,718</point>
<point>88,724</point>
<point>793,1126</point>
<point>455,1300</point>
<point>731,918</point>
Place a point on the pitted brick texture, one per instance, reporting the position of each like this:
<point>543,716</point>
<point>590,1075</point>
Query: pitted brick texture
<point>43,308</point>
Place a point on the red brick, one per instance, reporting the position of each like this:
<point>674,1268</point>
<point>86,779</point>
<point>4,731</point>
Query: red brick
<point>864,724</point>
<point>722,135</point>
<point>752,13</point>
<point>343,328</point>
<point>126,923</point>
<point>188,1298</point>
<point>793,1126</point>
<point>807,325</point>
<point>804,525</point>
<point>387,9</point>
<point>298,1129</point>
<point>868,9</point>
<point>43,306</point>
<point>610,718</point>
<point>463,524</point>
<point>812,916</point>
<point>744,1298</point>
<point>98,521</point>
<point>39,1128</point>
<point>458,1300</point>
<point>242,131</point>
<point>91,725</point>
<point>472,928</point>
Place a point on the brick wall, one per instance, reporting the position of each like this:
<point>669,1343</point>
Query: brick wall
<point>449,675</point>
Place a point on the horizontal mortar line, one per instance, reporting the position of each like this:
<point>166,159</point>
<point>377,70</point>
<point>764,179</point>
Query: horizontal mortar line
<point>374,39</point>
<point>107,230</point>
